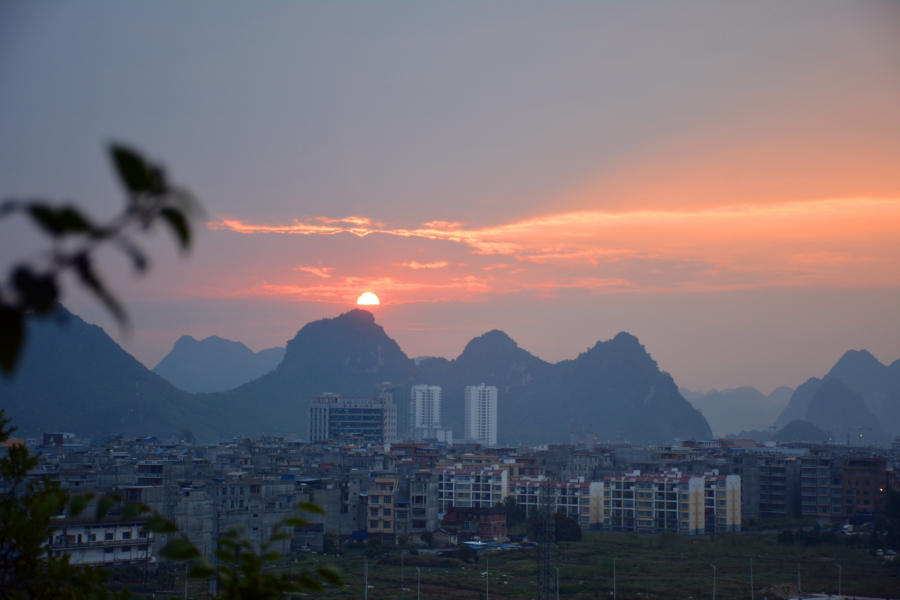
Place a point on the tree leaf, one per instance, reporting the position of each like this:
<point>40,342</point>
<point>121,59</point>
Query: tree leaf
<point>39,292</point>
<point>58,221</point>
<point>296,522</point>
<point>329,575</point>
<point>104,505</point>
<point>133,509</point>
<point>12,333</point>
<point>309,583</point>
<point>200,569</point>
<point>158,524</point>
<point>313,508</point>
<point>179,549</point>
<point>89,278</point>
<point>78,503</point>
<point>134,253</point>
<point>132,168</point>
<point>179,225</point>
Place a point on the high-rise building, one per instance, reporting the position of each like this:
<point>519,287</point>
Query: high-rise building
<point>425,415</point>
<point>424,406</point>
<point>332,416</point>
<point>481,414</point>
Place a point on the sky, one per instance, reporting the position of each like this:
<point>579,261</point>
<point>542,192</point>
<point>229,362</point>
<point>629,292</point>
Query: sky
<point>721,180</point>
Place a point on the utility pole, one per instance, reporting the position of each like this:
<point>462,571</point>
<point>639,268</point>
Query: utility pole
<point>799,589</point>
<point>185,581</point>
<point>557,582</point>
<point>751,578</point>
<point>401,575</point>
<point>487,580</point>
<point>839,578</point>
<point>366,578</point>
<point>714,580</point>
<point>614,579</point>
<point>419,584</point>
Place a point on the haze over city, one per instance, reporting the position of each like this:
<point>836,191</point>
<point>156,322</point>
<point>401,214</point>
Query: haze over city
<point>720,181</point>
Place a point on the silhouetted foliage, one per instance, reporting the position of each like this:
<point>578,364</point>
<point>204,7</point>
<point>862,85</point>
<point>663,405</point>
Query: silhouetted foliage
<point>34,287</point>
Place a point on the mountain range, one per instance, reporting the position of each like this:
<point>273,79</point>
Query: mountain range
<point>75,378</point>
<point>215,364</point>
<point>738,409</point>
<point>857,395</point>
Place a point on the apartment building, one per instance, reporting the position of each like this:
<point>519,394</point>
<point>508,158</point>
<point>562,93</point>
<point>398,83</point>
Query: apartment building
<point>109,541</point>
<point>425,415</point>
<point>576,498</point>
<point>779,488</point>
<point>671,501</point>
<point>821,488</point>
<point>374,420</point>
<point>481,414</point>
<point>381,508</point>
<point>476,487</point>
<point>864,481</point>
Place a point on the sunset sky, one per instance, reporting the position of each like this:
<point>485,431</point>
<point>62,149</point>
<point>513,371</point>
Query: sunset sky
<point>720,179</point>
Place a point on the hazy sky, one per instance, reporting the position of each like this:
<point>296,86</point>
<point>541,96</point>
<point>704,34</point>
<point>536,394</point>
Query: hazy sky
<point>720,179</point>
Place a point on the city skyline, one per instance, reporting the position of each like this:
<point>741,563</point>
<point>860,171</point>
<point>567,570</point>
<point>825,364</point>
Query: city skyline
<point>719,181</point>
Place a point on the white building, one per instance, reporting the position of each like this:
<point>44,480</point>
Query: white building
<point>481,414</point>
<point>471,486</point>
<point>424,406</point>
<point>110,541</point>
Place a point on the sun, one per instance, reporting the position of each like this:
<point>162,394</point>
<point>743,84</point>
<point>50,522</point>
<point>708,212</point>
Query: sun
<point>368,299</point>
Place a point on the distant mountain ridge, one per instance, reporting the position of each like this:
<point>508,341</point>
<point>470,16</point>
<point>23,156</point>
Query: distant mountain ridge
<point>738,409</point>
<point>215,364</point>
<point>862,375</point>
<point>79,379</point>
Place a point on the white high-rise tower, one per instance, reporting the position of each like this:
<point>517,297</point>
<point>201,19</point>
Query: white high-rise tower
<point>481,414</point>
<point>425,406</point>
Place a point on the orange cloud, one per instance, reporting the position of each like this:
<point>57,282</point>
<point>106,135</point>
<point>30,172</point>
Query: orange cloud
<point>415,265</point>
<point>831,242</point>
<point>318,272</point>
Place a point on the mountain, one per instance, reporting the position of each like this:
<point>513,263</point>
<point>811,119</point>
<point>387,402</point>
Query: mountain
<point>863,374</point>
<point>800,431</point>
<point>614,390</point>
<point>214,364</point>
<point>744,408</point>
<point>74,377</point>
<point>78,379</point>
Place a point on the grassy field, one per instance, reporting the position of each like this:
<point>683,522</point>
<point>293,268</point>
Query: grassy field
<point>668,566</point>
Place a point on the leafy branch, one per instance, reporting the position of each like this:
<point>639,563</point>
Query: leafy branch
<point>34,287</point>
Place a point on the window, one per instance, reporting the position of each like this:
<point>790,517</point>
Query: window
<point>108,536</point>
<point>126,535</point>
<point>386,512</point>
<point>373,524</point>
<point>142,534</point>
<point>126,549</point>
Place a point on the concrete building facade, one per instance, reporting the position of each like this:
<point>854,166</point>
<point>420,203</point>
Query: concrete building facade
<point>332,416</point>
<point>481,414</point>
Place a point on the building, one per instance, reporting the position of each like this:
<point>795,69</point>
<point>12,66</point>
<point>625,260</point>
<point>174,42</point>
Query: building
<point>865,479</point>
<point>821,486</point>
<point>671,501</point>
<point>332,416</point>
<point>481,414</point>
<point>476,487</point>
<point>779,488</point>
<point>424,406</point>
<point>575,498</point>
<point>484,524</point>
<point>109,541</point>
<point>380,513</point>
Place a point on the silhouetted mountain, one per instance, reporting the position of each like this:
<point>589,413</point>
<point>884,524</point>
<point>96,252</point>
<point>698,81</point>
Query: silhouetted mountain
<point>74,377</point>
<point>214,364</point>
<point>836,408</point>
<point>879,386</point>
<point>614,389</point>
<point>800,431</point>
<point>78,379</point>
<point>743,408</point>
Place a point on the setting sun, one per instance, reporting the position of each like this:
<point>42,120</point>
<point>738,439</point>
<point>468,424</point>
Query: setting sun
<point>368,299</point>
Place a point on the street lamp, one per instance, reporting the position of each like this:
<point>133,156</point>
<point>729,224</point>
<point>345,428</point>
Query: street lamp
<point>557,582</point>
<point>418,583</point>
<point>614,579</point>
<point>366,578</point>
<point>487,579</point>
<point>714,580</point>
<point>751,578</point>
<point>839,578</point>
